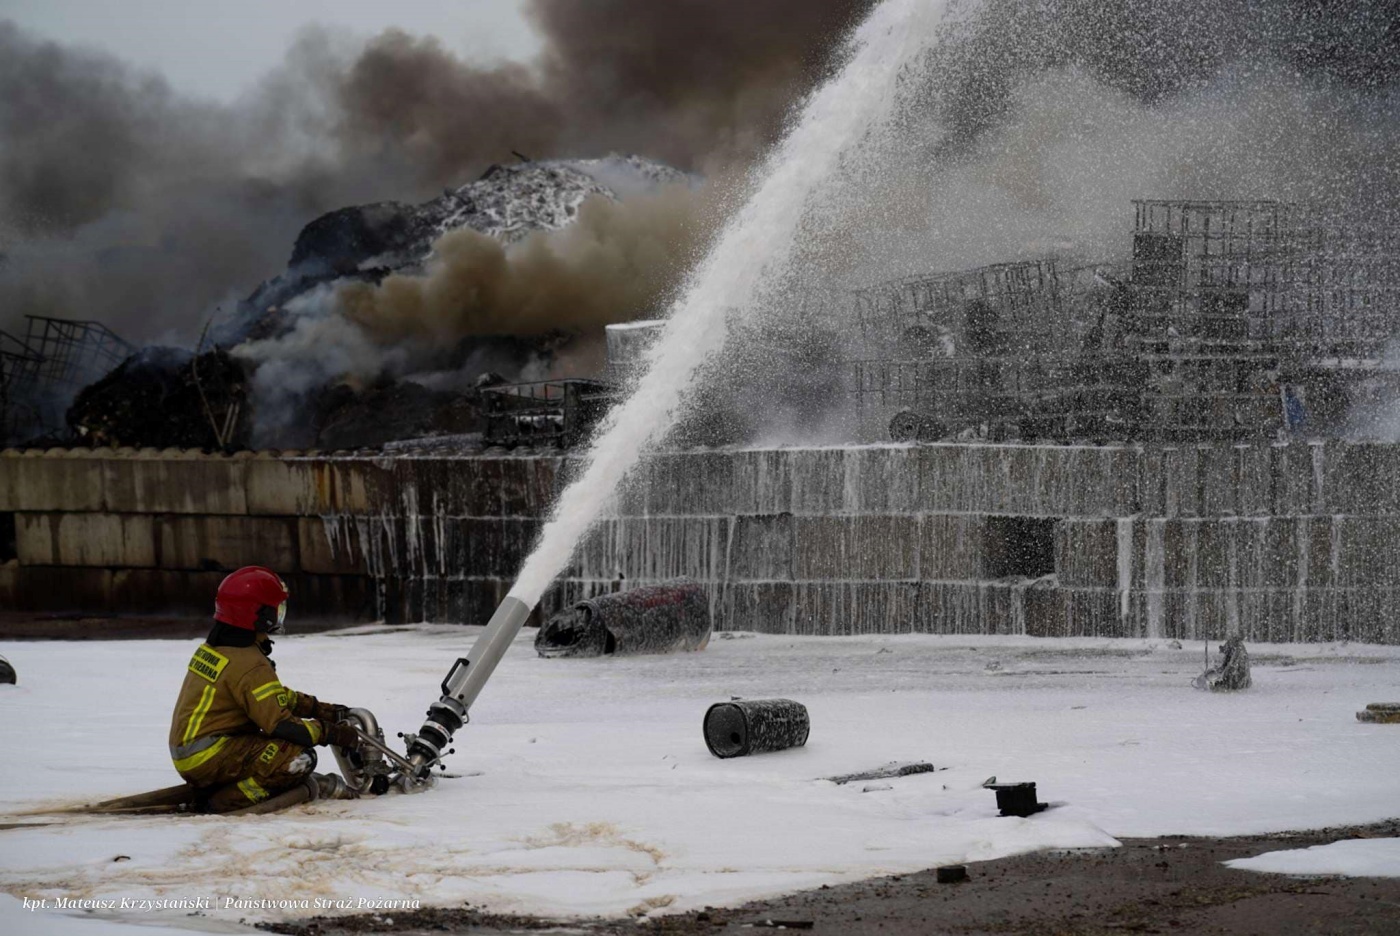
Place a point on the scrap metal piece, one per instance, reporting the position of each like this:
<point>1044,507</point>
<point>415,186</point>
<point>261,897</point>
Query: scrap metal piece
<point>782,924</point>
<point>892,769</point>
<point>754,726</point>
<point>550,412</point>
<point>1380,713</point>
<point>665,618</point>
<point>1232,674</point>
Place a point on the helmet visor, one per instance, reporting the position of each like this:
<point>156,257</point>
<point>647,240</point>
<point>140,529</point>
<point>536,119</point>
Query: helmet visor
<point>277,627</point>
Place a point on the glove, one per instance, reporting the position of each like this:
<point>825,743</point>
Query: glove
<point>340,734</point>
<point>329,714</point>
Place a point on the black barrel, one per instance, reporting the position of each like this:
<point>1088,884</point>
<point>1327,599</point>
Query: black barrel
<point>752,726</point>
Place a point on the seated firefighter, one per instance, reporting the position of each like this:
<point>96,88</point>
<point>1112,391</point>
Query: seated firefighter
<point>238,735</point>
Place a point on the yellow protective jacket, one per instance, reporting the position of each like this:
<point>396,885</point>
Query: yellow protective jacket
<point>232,691</point>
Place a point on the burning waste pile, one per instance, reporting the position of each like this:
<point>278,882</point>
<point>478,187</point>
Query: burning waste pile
<point>166,398</point>
<point>393,321</point>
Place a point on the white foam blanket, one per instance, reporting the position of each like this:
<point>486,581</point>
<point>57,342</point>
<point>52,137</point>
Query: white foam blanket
<point>588,789</point>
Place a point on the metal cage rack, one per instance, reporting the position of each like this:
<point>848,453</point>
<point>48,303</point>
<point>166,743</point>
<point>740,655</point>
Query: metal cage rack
<point>1234,321</point>
<point>40,373</point>
<point>546,412</point>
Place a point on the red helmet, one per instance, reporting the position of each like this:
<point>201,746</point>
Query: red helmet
<point>252,598</point>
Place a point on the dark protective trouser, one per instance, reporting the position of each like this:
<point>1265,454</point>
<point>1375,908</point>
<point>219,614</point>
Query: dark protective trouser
<point>248,769</point>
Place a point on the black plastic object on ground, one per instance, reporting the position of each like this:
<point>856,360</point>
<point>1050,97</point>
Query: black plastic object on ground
<point>663,618</point>
<point>7,672</point>
<point>753,726</point>
<point>1017,799</point>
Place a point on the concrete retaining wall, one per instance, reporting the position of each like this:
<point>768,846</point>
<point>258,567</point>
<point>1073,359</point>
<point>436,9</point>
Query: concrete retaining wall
<point>1286,542</point>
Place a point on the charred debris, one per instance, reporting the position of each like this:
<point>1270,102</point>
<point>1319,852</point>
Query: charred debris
<point>1227,322</point>
<point>78,383</point>
<point>159,397</point>
<point>166,398</point>
<point>1230,322</point>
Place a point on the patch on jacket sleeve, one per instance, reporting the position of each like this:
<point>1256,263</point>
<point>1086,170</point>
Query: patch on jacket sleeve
<point>208,664</point>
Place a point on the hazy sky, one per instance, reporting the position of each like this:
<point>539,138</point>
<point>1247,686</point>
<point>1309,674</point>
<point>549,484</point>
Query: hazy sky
<point>216,48</point>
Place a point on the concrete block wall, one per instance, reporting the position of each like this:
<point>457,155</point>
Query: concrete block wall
<point>128,531</point>
<point>1284,542</point>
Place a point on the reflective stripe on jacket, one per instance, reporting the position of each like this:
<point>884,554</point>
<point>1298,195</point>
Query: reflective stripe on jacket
<point>229,691</point>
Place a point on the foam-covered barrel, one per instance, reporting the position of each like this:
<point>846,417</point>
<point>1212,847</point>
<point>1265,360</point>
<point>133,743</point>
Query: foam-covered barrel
<point>754,726</point>
<point>668,617</point>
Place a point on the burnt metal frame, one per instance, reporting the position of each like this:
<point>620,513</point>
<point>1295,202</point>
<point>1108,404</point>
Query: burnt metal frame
<point>1226,302</point>
<point>73,351</point>
<point>1004,393</point>
<point>1028,297</point>
<point>564,411</point>
<point>18,363</point>
<point>1302,279</point>
<point>55,354</point>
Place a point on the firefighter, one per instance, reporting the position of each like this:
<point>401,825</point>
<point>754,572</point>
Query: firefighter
<point>238,735</point>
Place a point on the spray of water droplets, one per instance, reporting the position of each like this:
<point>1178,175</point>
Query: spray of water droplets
<point>751,255</point>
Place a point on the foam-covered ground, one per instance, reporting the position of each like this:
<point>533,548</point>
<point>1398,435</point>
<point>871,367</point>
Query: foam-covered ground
<point>588,789</point>
<point>1375,857</point>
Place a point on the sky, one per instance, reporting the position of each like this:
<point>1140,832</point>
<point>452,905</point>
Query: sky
<point>216,49</point>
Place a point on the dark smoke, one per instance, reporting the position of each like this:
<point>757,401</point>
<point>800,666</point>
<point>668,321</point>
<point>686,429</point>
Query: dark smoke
<point>699,84</point>
<point>121,200</point>
<point>478,303</point>
<point>691,81</point>
<point>616,262</point>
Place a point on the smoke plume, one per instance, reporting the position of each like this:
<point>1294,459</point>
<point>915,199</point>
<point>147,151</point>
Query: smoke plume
<point>459,317</point>
<point>699,84</point>
<point>1037,122</point>
<point>614,263</point>
<point>123,201</point>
